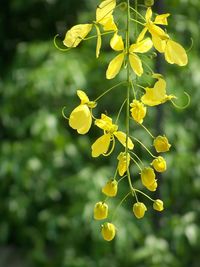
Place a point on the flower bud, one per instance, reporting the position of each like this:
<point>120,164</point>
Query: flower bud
<point>149,3</point>
<point>139,210</point>
<point>122,165</point>
<point>161,144</point>
<point>138,111</point>
<point>110,189</point>
<point>158,205</point>
<point>148,176</point>
<point>100,211</point>
<point>152,187</point>
<point>108,231</point>
<point>159,164</point>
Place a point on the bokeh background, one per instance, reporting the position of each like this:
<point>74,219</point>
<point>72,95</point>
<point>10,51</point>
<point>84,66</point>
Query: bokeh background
<point>48,181</point>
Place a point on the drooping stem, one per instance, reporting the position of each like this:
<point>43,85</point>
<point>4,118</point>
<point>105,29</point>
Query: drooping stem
<point>108,90</point>
<point>128,92</point>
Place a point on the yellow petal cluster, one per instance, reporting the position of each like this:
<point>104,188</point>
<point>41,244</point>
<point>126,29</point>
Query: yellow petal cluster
<point>156,95</point>
<point>161,144</point>
<point>102,144</point>
<point>139,210</point>
<point>148,178</point>
<point>138,111</point>
<point>117,44</point>
<point>104,18</point>
<point>108,231</point>
<point>110,189</point>
<point>81,118</point>
<point>158,205</point>
<point>100,211</point>
<point>76,34</point>
<point>123,163</point>
<point>159,164</point>
<point>174,52</point>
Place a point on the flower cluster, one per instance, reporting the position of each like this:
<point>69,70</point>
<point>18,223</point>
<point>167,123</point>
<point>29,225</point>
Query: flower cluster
<point>130,49</point>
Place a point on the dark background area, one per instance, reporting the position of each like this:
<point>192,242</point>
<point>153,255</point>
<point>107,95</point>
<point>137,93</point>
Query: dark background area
<point>48,181</point>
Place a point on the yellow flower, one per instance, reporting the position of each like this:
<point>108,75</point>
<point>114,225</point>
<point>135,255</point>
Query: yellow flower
<point>105,18</point>
<point>108,231</point>
<point>110,189</point>
<point>159,164</point>
<point>81,118</point>
<point>105,10</point>
<point>115,65</point>
<point>174,52</point>
<point>148,176</point>
<point>156,95</point>
<point>76,34</point>
<point>139,210</point>
<point>100,211</point>
<point>102,144</point>
<point>138,111</point>
<point>158,34</point>
<point>158,205</point>
<point>122,165</point>
<point>161,144</point>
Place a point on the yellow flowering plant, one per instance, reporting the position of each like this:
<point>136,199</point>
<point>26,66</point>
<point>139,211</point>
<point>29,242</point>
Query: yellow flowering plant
<point>130,49</point>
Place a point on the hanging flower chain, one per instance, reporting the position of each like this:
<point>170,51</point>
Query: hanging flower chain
<point>129,57</point>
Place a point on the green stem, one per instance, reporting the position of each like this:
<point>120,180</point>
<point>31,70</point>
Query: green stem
<point>63,113</point>
<point>137,22</point>
<point>134,93</point>
<point>95,36</point>
<point>122,178</point>
<point>128,93</point>
<point>147,130</point>
<point>136,164</point>
<point>144,194</point>
<point>120,203</point>
<point>134,154</point>
<point>108,90</point>
<point>120,110</point>
<point>135,10</point>
<point>59,48</point>
<point>144,147</point>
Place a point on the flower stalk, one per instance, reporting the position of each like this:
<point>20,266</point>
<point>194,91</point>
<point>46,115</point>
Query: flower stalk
<point>135,104</point>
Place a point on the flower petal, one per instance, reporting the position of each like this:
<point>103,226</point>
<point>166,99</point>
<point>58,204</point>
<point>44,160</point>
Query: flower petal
<point>105,9</point>
<point>136,64</point>
<point>162,19</point>
<point>115,66</point>
<point>105,123</point>
<point>159,43</point>
<point>99,41</point>
<point>142,34</point>
<point>117,43</point>
<point>83,97</point>
<point>141,47</point>
<point>108,24</point>
<point>101,145</point>
<point>76,34</point>
<point>122,139</point>
<point>175,53</point>
<point>155,30</point>
<point>148,15</point>
<point>156,95</point>
<point>80,119</point>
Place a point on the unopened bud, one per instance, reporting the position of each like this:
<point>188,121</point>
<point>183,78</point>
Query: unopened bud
<point>149,3</point>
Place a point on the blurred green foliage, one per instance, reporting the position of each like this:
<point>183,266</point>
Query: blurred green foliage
<point>48,180</point>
